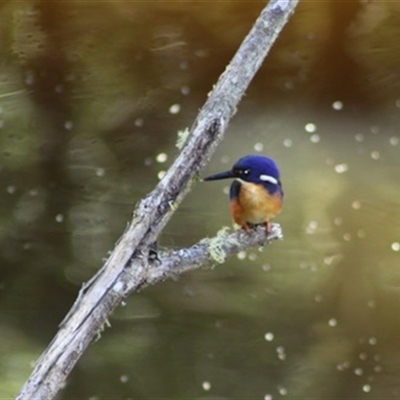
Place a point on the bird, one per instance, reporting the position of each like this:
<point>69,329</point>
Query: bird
<point>256,193</point>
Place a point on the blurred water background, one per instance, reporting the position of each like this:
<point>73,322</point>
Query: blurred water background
<point>92,95</point>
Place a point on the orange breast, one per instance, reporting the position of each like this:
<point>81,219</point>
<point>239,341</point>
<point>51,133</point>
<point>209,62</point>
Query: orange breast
<point>255,205</point>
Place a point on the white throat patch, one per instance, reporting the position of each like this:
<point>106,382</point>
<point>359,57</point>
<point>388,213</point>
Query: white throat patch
<point>269,178</point>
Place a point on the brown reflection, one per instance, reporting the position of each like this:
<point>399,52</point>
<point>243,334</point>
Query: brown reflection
<point>91,93</point>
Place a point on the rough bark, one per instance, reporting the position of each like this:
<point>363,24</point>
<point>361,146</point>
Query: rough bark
<point>129,268</point>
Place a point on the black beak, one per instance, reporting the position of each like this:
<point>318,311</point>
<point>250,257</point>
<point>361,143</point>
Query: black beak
<point>221,175</point>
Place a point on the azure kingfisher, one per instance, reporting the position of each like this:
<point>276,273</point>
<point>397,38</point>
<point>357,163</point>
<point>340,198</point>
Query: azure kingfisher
<point>256,194</point>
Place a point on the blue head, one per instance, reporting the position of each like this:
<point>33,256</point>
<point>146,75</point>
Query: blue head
<point>256,169</point>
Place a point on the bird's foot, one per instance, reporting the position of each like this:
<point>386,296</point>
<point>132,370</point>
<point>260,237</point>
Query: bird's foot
<point>248,227</point>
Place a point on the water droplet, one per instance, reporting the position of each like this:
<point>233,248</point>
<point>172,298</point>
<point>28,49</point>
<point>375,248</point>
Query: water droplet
<point>185,90</point>
<point>318,298</point>
<point>315,138</point>
<point>361,234</point>
<point>340,367</point>
<point>59,88</point>
<point>11,189</point>
<point>161,174</point>
<point>363,356</point>
<point>332,322</point>
<point>201,53</point>
<point>68,125</point>
<point>258,147</point>
<point>375,129</point>
<point>266,267</point>
<point>183,65</point>
<point>371,304</point>
<point>378,368</point>
<point>139,122</point>
<point>337,105</point>
<point>288,142</point>
<point>100,172</point>
<point>377,357</point>
<point>372,341</point>
<point>252,257</point>
<point>338,221</point>
<point>282,391</point>
<point>396,246</point>
<point>358,371</point>
<point>366,388</point>
<point>162,157</point>
<point>174,109</point>
<point>289,85</point>
<point>375,155</point>
<point>310,127</point>
<point>311,227</point>
<point>347,237</point>
<point>269,336</point>
<point>341,168</point>
<point>280,350</point>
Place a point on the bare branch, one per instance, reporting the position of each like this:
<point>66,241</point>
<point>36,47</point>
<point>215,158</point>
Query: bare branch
<point>206,253</point>
<point>128,267</point>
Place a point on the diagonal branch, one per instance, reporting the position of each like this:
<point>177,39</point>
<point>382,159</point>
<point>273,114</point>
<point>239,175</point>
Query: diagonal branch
<point>128,267</point>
